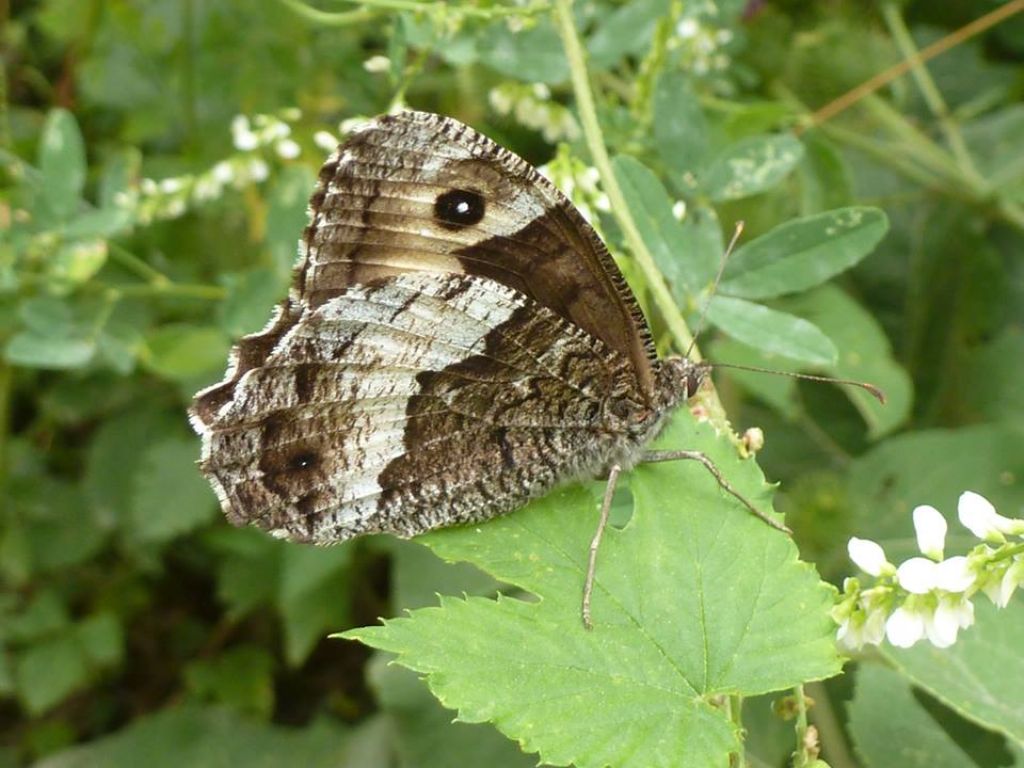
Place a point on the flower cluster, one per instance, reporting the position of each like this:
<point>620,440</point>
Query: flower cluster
<point>171,197</point>
<point>930,596</point>
<point>700,41</point>
<point>532,106</point>
<point>579,182</point>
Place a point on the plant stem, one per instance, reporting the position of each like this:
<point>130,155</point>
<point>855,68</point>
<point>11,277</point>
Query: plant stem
<point>327,18</point>
<point>871,85</point>
<point>930,92</point>
<point>830,732</point>
<point>595,143</point>
<point>800,756</point>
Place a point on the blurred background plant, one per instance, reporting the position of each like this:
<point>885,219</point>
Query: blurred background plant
<point>155,161</point>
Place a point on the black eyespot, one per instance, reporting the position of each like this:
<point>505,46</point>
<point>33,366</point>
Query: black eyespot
<point>459,208</point>
<point>303,460</point>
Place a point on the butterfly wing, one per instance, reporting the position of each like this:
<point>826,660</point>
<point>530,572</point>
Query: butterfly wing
<point>457,340</point>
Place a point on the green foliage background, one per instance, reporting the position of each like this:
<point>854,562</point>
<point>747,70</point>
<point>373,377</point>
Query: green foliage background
<point>137,241</point>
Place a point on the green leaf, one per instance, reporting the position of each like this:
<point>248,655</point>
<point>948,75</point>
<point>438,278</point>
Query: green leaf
<point>751,166</point>
<point>627,30</point>
<point>44,615</point>
<point>680,130</point>
<point>532,55</point>
<point>248,567</point>
<point>34,350</point>
<point>48,671</point>
<point>241,678</point>
<point>979,675</point>
<point>661,231</point>
<point>206,738</point>
<point>824,178</point>
<point>771,331</point>
<point>250,297</point>
<point>102,223</point>
<point>313,596</point>
<point>101,639</point>
<point>891,727</point>
<point>864,355</point>
<point>993,376</point>
<point>183,352</point>
<point>803,253</point>
<point>79,260</point>
<point>694,598</point>
<point>170,496</point>
<point>425,735</point>
<point>62,163</point>
<point>287,201</point>
<point>934,467</point>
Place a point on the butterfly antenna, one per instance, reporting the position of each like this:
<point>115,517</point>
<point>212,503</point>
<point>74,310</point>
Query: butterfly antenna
<point>871,389</point>
<point>714,286</point>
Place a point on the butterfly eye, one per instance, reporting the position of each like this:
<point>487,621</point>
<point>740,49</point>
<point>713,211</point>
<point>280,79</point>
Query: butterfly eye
<point>459,208</point>
<point>303,460</point>
<point>694,378</point>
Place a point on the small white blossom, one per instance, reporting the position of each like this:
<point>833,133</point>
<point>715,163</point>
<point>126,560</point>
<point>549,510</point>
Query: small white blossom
<point>980,517</point>
<point>223,172</point>
<point>377,64</point>
<point>287,149</point>
<point>242,135</point>
<point>868,556</point>
<point>905,627</point>
<point>258,170</point>
<point>687,28</point>
<point>679,210</point>
<point>917,575</point>
<point>930,527</point>
<point>171,185</point>
<point>1012,579</point>
<point>954,575</point>
<point>325,140</point>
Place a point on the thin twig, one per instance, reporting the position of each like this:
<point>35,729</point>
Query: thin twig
<point>871,85</point>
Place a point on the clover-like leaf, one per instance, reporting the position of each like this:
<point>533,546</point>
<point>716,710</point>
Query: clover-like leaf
<point>803,253</point>
<point>695,599</point>
<point>771,331</point>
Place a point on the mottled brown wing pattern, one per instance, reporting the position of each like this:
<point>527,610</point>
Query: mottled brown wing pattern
<point>457,341</point>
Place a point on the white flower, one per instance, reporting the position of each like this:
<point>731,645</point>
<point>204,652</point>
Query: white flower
<point>950,616</point>
<point>242,134</point>
<point>679,209</point>
<point>171,185</point>
<point>930,526</point>
<point>1002,590</point>
<point>223,172</point>
<point>868,556</point>
<point>917,575</point>
<point>325,140</point>
<point>287,149</point>
<point>954,575</point>
<point>905,627</point>
<point>861,628</point>
<point>377,64</point>
<point>687,28</point>
<point>980,517</point>
<point>258,170</point>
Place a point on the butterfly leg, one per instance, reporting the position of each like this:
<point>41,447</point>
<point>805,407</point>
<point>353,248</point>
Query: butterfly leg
<point>606,505</point>
<point>709,465</point>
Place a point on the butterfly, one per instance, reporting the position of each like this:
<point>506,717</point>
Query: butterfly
<point>457,340</point>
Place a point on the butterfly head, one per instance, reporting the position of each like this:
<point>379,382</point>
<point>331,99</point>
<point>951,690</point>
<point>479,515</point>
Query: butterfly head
<point>680,378</point>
